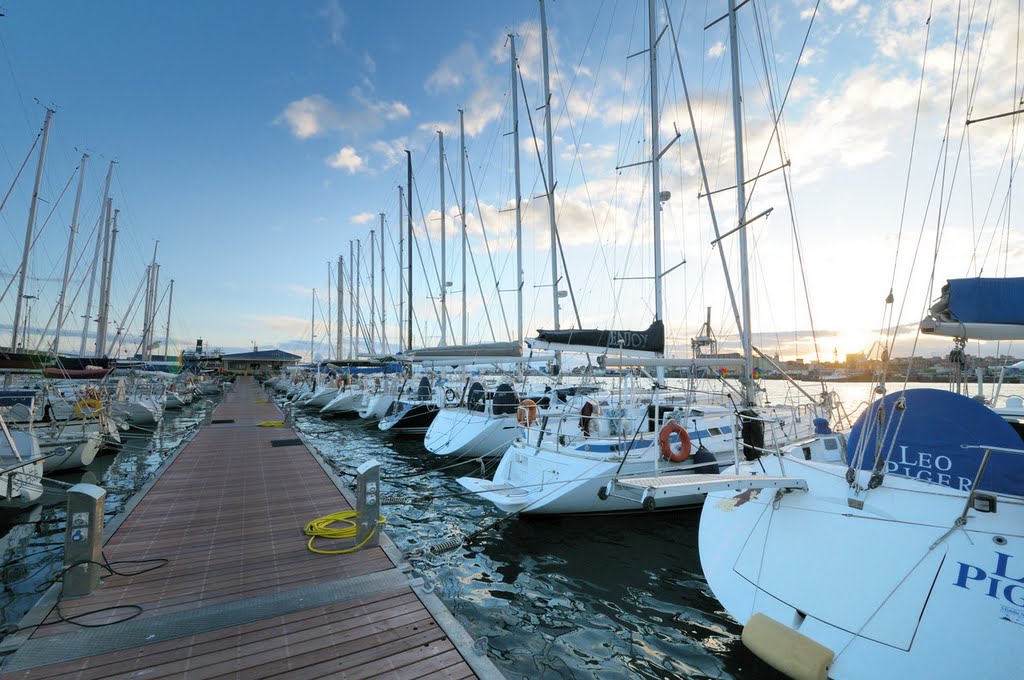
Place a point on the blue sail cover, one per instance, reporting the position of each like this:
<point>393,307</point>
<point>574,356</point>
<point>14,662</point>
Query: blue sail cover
<point>990,300</point>
<point>927,439</point>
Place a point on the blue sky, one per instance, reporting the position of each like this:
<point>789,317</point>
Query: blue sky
<point>255,140</point>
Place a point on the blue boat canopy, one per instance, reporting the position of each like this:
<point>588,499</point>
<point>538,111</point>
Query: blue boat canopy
<point>978,309</point>
<point>982,300</point>
<point>924,440</point>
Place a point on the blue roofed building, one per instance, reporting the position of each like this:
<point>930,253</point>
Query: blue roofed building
<point>258,362</point>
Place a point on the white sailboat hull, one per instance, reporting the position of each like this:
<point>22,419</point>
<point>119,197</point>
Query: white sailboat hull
<point>897,591</point>
<point>534,480</point>
<point>21,485</point>
<point>344,402</point>
<point>320,398</point>
<point>139,413</point>
<point>72,454</point>
<point>460,432</point>
<point>376,406</point>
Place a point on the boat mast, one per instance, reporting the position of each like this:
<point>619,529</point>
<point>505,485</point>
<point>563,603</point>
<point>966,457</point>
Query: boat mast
<point>462,164</point>
<point>444,272</point>
<point>327,338</point>
<point>351,303</point>
<point>29,228</point>
<point>312,326</point>
<point>95,263</point>
<point>341,308</point>
<point>359,287</point>
<point>150,313</point>
<point>549,147</point>
<point>373,289</point>
<point>145,312</point>
<point>408,215</point>
<point>101,326</point>
<point>87,317</point>
<point>383,287</point>
<point>519,196</point>
<point>401,291</point>
<point>67,261</point>
<point>652,54</point>
<point>110,283</point>
<point>167,329</point>
<point>741,204</point>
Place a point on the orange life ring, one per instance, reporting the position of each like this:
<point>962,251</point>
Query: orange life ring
<point>527,412</point>
<point>666,445</point>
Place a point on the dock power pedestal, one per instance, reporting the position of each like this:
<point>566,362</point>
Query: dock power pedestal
<point>83,539</point>
<point>368,504</point>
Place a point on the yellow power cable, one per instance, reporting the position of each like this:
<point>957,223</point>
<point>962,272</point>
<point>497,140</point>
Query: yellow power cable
<point>320,528</point>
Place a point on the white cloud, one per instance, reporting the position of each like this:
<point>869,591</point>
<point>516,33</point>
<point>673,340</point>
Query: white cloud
<point>290,325</point>
<point>841,6</point>
<point>393,110</point>
<point>361,218</point>
<point>310,116</point>
<point>346,159</point>
<point>716,50</point>
<point>336,20</point>
<point>808,56</point>
<point>315,115</point>
<point>389,153</point>
<point>587,152</point>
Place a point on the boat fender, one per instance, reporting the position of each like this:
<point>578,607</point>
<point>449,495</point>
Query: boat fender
<point>527,412</point>
<point>752,432</point>
<point>665,444</point>
<point>588,413</point>
<point>704,462</point>
<point>786,650</point>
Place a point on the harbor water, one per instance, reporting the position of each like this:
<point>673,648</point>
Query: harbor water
<point>620,596</point>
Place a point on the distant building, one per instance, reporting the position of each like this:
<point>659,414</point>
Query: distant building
<point>262,362</point>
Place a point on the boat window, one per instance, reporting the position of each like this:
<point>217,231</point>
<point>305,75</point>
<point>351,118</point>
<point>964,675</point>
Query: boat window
<point>831,444</point>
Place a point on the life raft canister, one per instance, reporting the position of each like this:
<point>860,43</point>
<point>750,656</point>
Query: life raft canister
<point>665,444</point>
<point>527,412</point>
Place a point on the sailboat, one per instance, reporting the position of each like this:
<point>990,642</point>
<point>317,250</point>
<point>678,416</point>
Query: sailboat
<point>903,557</point>
<point>616,453</point>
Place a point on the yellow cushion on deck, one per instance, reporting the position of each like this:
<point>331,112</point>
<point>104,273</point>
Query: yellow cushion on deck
<point>786,650</point>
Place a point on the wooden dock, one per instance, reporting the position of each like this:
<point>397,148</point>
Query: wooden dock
<point>240,594</point>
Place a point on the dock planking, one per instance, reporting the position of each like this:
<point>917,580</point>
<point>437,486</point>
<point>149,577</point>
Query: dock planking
<point>240,594</point>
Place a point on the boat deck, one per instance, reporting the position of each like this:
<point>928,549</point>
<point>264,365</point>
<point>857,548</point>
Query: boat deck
<point>240,595</point>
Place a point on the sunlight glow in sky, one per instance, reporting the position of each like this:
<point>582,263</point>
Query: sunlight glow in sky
<point>255,140</point>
